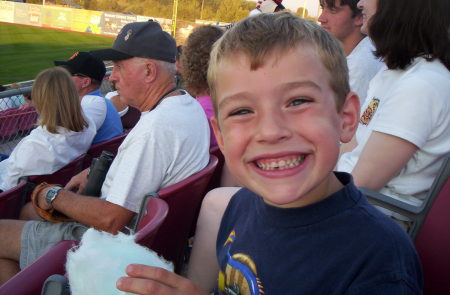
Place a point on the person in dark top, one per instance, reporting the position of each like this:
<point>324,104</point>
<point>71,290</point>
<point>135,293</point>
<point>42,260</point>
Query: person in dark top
<point>282,106</point>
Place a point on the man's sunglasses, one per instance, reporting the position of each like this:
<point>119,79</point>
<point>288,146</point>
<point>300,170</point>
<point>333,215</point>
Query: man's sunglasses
<point>79,75</point>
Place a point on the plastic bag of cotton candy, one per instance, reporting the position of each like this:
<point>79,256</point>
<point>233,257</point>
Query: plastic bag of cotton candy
<point>100,260</point>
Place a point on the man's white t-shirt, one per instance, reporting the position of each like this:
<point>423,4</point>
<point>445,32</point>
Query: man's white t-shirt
<point>167,145</point>
<point>94,107</point>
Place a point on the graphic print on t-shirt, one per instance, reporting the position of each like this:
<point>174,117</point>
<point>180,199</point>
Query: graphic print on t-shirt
<point>368,114</point>
<point>240,275</point>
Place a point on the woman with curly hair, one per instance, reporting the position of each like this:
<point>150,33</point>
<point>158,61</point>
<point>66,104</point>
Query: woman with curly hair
<point>195,60</point>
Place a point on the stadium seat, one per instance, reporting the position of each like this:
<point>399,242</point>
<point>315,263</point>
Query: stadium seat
<point>184,200</point>
<point>29,281</point>
<point>110,145</point>
<point>27,119</point>
<point>215,179</point>
<point>8,125</point>
<point>433,245</point>
<point>416,214</point>
<point>62,176</point>
<point>12,200</point>
<point>130,119</point>
<point>430,229</point>
<point>152,214</point>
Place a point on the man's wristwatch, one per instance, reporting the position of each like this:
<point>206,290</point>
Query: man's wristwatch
<point>51,194</point>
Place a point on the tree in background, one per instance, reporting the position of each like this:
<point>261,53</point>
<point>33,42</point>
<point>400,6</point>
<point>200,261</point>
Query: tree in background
<point>302,12</point>
<point>188,10</point>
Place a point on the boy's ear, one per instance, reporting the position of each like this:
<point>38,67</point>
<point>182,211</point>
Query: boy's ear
<point>217,132</point>
<point>349,117</point>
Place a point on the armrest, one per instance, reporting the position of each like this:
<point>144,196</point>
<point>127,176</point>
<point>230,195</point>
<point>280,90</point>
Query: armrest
<point>391,203</point>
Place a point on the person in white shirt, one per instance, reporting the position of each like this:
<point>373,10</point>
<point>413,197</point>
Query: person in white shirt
<point>87,73</point>
<point>403,133</point>
<point>63,132</point>
<point>343,19</point>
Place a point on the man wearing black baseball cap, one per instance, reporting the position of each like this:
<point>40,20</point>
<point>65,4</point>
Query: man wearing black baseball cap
<point>87,74</point>
<point>169,143</point>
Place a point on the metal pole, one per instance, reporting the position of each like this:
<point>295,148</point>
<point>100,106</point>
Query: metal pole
<point>304,9</point>
<point>174,17</point>
<point>201,11</point>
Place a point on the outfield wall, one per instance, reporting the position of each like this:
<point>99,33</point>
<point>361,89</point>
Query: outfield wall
<point>71,19</point>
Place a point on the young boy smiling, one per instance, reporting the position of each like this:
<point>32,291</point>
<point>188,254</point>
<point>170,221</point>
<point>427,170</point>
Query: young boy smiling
<point>280,90</point>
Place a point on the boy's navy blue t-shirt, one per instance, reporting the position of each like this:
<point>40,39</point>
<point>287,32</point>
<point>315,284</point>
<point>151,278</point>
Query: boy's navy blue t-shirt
<point>340,245</point>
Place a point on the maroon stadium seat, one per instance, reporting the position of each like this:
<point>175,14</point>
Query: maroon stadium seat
<point>110,145</point>
<point>29,281</point>
<point>154,212</point>
<point>12,200</point>
<point>184,200</point>
<point>130,119</point>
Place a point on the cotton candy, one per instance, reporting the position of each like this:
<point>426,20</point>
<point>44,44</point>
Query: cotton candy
<point>96,265</point>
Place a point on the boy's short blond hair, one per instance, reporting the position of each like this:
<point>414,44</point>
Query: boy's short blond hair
<point>56,100</point>
<point>261,35</point>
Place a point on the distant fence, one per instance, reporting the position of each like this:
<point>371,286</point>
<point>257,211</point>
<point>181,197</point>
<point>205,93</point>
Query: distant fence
<point>82,20</point>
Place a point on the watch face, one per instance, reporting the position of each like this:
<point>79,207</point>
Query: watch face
<point>51,194</point>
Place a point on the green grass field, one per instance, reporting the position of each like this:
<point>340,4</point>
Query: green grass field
<point>25,51</point>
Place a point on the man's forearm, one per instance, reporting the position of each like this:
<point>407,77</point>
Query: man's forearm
<point>93,211</point>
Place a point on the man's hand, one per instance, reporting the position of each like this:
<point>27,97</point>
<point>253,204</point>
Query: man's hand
<point>78,182</point>
<point>145,280</point>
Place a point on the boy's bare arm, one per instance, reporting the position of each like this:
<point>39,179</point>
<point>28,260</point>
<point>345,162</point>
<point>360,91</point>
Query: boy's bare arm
<point>203,267</point>
<point>91,211</point>
<point>382,158</point>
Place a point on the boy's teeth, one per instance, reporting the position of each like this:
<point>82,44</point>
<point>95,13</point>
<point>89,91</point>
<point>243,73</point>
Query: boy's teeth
<point>282,164</point>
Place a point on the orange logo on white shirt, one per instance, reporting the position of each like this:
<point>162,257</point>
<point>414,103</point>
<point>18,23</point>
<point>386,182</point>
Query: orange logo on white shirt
<point>368,114</point>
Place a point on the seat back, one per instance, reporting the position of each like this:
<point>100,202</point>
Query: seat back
<point>184,200</point>
<point>110,145</point>
<point>154,212</point>
<point>63,175</point>
<point>433,244</point>
<point>416,214</point>
<point>27,120</point>
<point>130,119</point>
<point>8,125</point>
<point>29,281</point>
<point>12,200</point>
<point>215,179</point>
<point>438,185</point>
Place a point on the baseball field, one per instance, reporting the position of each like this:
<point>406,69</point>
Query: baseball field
<point>26,50</point>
